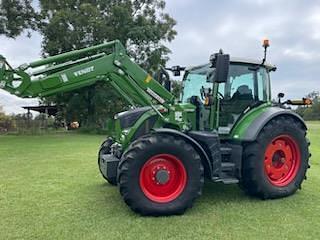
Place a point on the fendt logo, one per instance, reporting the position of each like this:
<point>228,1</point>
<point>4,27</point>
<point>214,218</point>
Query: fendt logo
<point>84,71</point>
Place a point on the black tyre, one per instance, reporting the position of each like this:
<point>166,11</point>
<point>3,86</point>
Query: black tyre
<point>160,175</point>
<point>105,149</point>
<point>275,164</point>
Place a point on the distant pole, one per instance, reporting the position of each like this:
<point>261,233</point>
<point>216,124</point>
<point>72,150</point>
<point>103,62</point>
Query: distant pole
<point>28,118</point>
<point>46,118</point>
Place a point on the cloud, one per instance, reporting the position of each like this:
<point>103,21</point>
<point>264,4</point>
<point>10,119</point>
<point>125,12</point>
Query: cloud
<point>18,51</point>
<point>235,26</point>
<point>239,26</point>
<point>21,50</point>
<point>301,54</point>
<point>13,104</point>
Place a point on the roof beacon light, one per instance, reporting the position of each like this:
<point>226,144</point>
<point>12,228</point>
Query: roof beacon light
<point>265,45</point>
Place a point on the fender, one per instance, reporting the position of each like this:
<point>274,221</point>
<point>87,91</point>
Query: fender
<point>256,126</point>
<point>204,156</point>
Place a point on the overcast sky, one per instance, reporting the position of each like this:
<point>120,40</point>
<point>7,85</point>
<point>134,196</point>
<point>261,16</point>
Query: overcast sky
<point>293,27</point>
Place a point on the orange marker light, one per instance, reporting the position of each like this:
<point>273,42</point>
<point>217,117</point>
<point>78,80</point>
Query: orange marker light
<point>266,43</point>
<point>307,101</point>
<point>206,101</point>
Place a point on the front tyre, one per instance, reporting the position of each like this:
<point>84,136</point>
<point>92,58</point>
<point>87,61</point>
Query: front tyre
<point>160,175</point>
<point>275,164</point>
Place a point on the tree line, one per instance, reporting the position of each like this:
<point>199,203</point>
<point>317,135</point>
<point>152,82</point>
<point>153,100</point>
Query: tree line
<point>142,26</point>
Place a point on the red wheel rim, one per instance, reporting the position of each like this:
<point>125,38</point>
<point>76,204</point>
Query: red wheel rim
<point>282,160</point>
<point>163,178</point>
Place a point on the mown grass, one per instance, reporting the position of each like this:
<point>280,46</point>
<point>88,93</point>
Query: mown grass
<point>50,188</point>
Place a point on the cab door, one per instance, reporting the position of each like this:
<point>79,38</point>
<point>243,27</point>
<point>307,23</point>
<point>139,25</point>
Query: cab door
<point>247,87</point>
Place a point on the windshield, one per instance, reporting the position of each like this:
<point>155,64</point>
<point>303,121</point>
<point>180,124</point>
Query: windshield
<point>194,81</point>
<point>244,81</point>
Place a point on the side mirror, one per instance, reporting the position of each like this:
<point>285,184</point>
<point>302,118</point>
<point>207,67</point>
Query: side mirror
<point>280,95</point>
<point>221,63</point>
<point>176,70</point>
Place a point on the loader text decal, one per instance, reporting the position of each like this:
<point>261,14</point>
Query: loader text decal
<point>84,71</point>
<point>155,96</point>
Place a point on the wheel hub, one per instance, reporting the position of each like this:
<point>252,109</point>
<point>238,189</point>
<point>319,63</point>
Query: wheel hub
<point>282,160</point>
<point>163,178</point>
<point>278,159</point>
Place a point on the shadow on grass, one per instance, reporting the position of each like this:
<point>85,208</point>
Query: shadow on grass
<point>213,191</point>
<point>222,192</point>
<point>212,194</point>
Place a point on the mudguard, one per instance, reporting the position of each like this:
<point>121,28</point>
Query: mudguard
<point>204,156</point>
<point>256,125</point>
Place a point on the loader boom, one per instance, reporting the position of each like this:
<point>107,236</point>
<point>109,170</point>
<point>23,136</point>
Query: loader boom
<point>76,69</point>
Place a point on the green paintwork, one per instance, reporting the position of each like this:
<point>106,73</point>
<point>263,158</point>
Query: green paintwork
<point>127,134</point>
<point>240,128</point>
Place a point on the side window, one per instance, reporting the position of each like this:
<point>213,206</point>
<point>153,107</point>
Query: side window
<point>263,84</point>
<point>261,93</point>
<point>246,85</point>
<point>193,84</point>
<point>242,85</point>
<point>239,94</point>
<point>221,88</point>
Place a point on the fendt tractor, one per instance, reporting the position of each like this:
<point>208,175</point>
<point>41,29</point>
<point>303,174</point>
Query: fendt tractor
<point>224,127</point>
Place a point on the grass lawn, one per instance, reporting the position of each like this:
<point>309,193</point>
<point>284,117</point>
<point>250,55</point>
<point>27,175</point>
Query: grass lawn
<point>50,188</point>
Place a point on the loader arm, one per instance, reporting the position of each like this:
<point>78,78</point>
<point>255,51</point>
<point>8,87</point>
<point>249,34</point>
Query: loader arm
<point>76,69</point>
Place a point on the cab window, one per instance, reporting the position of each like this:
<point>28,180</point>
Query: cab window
<point>246,86</point>
<point>194,81</point>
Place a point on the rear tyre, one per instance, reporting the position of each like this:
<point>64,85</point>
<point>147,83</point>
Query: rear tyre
<point>105,148</point>
<point>275,164</point>
<point>160,175</point>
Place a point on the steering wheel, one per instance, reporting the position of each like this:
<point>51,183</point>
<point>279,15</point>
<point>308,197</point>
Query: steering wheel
<point>221,95</point>
<point>202,93</point>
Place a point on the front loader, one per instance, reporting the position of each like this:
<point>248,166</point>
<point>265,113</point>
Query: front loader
<point>224,128</point>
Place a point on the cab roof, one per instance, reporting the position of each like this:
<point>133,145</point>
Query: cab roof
<point>269,66</point>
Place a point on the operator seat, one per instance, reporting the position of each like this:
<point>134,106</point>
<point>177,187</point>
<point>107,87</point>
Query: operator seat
<point>241,99</point>
<point>233,107</point>
<point>243,93</point>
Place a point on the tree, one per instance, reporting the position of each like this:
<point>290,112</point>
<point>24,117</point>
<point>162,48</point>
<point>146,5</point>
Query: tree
<point>176,88</point>
<point>16,16</point>
<point>6,122</point>
<point>141,25</point>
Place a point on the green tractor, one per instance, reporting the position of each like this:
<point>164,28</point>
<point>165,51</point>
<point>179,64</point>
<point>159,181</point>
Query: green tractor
<point>224,128</point>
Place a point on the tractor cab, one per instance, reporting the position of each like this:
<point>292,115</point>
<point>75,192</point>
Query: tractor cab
<point>246,86</point>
